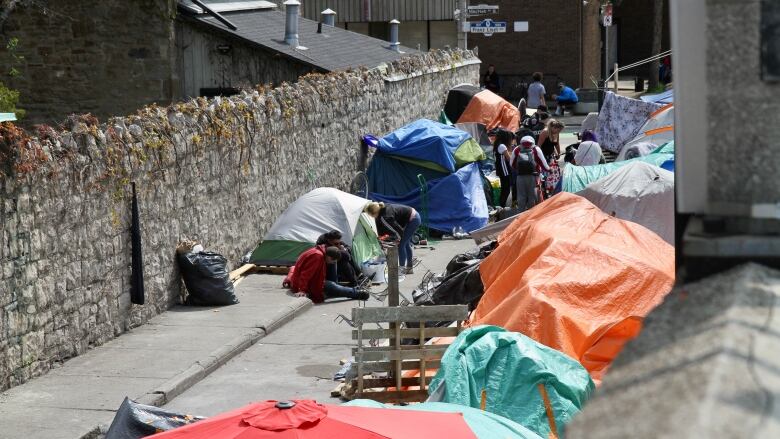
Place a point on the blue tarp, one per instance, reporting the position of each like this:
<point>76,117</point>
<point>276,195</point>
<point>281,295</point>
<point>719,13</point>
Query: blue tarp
<point>454,200</point>
<point>394,178</point>
<point>425,140</point>
<point>664,98</point>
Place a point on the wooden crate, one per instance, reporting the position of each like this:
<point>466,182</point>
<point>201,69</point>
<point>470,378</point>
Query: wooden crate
<point>394,359</point>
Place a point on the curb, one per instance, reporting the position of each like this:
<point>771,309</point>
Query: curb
<point>199,370</point>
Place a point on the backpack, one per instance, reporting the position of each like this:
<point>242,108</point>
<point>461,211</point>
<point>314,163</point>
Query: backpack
<point>525,162</point>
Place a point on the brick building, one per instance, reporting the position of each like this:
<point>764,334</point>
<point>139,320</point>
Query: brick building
<point>563,37</point>
<point>633,27</point>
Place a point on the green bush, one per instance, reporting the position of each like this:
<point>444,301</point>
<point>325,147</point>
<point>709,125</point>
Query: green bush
<point>8,101</point>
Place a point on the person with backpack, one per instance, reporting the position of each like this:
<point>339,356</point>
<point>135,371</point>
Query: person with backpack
<point>527,162</point>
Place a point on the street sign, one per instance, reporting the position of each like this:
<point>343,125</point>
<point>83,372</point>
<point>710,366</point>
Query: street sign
<point>482,9</point>
<point>606,15</point>
<point>488,27</point>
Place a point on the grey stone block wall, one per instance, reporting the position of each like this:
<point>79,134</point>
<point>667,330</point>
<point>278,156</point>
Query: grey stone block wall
<point>742,110</point>
<point>218,171</point>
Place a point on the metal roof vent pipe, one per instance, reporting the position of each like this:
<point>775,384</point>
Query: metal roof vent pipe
<point>291,8</point>
<point>394,43</point>
<point>329,17</point>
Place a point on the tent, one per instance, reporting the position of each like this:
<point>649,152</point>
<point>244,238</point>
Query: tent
<point>658,130</point>
<point>666,97</point>
<point>639,192</point>
<point>433,168</point>
<point>575,279</point>
<point>458,99</point>
<point>520,378</point>
<point>485,425</point>
<point>466,103</point>
<point>313,214</point>
<point>575,178</point>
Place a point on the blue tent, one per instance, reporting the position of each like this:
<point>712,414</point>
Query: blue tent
<point>666,97</point>
<point>446,160</point>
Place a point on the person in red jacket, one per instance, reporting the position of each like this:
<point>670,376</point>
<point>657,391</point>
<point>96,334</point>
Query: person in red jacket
<point>315,276</point>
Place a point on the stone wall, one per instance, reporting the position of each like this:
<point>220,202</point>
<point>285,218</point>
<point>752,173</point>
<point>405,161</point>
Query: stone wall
<point>218,171</point>
<point>104,57</point>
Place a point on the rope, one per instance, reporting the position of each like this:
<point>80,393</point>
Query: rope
<point>639,63</point>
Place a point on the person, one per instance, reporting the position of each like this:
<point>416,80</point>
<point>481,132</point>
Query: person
<point>549,139</point>
<point>501,147</point>
<point>566,96</point>
<point>536,92</point>
<point>588,154</point>
<point>400,222</point>
<point>528,161</point>
<point>491,80</point>
<point>345,267</point>
<point>315,276</point>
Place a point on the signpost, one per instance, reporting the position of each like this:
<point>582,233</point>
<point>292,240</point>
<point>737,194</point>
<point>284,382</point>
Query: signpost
<point>488,27</point>
<point>606,21</point>
<point>473,11</point>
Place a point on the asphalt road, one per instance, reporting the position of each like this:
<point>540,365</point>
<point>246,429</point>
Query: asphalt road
<point>298,360</point>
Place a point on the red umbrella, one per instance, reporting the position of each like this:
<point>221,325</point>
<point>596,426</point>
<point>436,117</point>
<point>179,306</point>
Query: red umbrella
<point>309,419</point>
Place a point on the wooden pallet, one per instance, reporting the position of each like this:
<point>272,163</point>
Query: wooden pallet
<point>394,359</point>
<point>272,269</point>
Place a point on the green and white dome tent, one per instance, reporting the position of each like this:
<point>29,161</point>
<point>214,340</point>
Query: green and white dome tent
<point>312,214</point>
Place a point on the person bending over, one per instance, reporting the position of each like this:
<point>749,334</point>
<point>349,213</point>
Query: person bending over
<point>401,222</point>
<point>347,271</point>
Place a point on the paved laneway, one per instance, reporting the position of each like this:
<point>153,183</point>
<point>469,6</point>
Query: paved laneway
<point>299,359</point>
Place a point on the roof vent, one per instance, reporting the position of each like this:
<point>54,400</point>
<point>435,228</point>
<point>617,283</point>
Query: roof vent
<point>394,43</point>
<point>291,22</point>
<point>329,17</point>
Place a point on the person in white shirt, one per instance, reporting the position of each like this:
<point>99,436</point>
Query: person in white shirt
<point>536,92</point>
<point>501,146</point>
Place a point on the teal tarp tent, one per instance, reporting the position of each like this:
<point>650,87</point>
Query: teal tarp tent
<point>484,425</point>
<point>575,178</point>
<point>517,374</point>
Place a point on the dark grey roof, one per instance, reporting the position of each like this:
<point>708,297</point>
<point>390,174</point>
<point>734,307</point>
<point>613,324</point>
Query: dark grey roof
<point>333,49</point>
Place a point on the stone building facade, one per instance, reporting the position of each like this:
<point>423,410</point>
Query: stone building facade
<point>218,171</point>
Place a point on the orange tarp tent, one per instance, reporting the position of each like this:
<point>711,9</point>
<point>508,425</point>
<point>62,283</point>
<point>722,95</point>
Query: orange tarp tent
<point>575,279</point>
<point>492,111</point>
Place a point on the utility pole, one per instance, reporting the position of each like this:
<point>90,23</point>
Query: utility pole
<point>463,36</point>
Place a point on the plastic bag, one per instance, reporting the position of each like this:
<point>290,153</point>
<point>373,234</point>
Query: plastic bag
<point>207,279</point>
<point>133,421</point>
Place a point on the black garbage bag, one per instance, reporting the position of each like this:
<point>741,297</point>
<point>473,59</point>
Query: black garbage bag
<point>134,421</point>
<point>468,258</point>
<point>464,287</point>
<point>207,279</point>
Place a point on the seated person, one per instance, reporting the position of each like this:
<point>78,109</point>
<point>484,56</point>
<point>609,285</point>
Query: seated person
<point>566,98</point>
<point>315,276</point>
<point>345,267</point>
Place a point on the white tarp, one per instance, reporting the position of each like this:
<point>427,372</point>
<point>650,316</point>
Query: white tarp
<point>638,192</point>
<point>317,212</point>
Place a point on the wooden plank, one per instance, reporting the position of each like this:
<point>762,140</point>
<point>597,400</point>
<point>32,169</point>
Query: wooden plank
<point>271,270</point>
<point>395,397</point>
<point>436,313</point>
<point>413,347</point>
<point>241,271</point>
<point>406,333</point>
<point>423,354</point>
<point>387,366</point>
<point>373,383</point>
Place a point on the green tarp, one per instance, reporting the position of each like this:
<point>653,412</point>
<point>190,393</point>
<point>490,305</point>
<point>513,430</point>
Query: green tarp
<point>484,425</point>
<point>509,367</point>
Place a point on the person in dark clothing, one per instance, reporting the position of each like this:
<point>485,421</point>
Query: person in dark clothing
<point>501,149</point>
<point>345,267</point>
<point>400,222</point>
<point>490,79</point>
<point>549,139</point>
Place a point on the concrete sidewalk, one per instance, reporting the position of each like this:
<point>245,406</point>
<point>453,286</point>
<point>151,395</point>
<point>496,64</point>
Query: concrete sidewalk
<point>151,364</point>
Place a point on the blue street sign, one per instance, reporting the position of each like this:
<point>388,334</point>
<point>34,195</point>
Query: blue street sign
<point>488,27</point>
